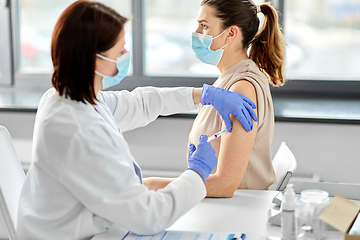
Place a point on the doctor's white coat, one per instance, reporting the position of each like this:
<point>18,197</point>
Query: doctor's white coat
<point>82,179</point>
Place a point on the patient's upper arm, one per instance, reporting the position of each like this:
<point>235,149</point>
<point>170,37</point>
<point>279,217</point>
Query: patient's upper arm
<point>235,150</point>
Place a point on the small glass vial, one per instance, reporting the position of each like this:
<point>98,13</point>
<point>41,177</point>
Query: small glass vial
<point>312,202</point>
<point>306,233</point>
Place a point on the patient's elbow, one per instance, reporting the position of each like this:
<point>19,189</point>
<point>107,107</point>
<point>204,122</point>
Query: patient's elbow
<point>225,191</point>
<point>229,192</point>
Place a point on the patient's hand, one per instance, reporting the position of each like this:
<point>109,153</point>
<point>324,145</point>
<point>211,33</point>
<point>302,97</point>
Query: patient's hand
<point>156,183</point>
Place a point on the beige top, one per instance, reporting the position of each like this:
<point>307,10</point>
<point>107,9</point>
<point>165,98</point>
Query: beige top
<point>259,173</point>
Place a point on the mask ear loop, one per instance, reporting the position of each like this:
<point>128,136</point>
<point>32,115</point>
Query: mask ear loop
<point>105,58</point>
<point>219,36</point>
<point>101,75</point>
<point>224,46</point>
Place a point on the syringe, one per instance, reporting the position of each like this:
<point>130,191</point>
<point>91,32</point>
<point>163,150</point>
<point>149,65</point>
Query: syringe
<point>216,135</point>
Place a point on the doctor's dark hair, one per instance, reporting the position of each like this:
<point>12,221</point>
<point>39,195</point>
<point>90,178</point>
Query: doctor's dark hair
<point>84,29</point>
<point>267,44</point>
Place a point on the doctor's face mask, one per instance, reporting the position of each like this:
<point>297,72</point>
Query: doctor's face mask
<point>122,65</point>
<point>201,43</point>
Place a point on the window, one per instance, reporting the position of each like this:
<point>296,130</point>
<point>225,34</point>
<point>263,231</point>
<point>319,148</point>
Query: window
<point>36,20</point>
<point>168,36</point>
<point>323,39</point>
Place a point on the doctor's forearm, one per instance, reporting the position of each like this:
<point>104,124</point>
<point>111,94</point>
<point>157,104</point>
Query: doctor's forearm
<point>197,95</point>
<point>156,183</point>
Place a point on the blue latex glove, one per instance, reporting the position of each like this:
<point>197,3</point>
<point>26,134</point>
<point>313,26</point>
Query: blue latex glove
<point>202,159</point>
<point>192,149</point>
<point>227,102</point>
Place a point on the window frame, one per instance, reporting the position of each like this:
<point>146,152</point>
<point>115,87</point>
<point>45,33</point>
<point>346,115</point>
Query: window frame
<point>304,88</point>
<point>5,47</point>
<point>296,88</point>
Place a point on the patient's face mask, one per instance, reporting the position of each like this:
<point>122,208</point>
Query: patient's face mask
<point>122,65</point>
<point>201,43</point>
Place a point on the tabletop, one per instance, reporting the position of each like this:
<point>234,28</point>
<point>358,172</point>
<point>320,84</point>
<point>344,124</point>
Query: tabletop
<point>246,211</point>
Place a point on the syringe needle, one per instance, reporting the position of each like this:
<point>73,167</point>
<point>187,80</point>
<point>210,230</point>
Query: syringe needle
<point>216,135</point>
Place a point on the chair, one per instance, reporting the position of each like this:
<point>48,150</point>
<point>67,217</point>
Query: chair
<point>11,180</point>
<point>284,164</point>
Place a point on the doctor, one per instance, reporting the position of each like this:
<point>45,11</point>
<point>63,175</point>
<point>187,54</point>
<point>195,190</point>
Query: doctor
<point>83,179</point>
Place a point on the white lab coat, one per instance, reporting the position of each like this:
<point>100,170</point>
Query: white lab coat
<point>82,179</point>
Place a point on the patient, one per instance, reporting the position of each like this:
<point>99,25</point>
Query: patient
<point>248,59</point>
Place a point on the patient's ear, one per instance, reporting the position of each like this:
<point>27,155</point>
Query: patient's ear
<point>234,34</point>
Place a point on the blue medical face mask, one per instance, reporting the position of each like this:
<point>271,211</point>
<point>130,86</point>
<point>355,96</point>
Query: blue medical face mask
<point>122,64</point>
<point>201,43</point>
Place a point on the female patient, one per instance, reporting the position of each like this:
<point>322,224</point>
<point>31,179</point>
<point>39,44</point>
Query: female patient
<point>228,36</point>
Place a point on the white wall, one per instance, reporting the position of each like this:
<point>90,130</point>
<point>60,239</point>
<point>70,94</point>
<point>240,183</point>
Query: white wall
<point>330,150</point>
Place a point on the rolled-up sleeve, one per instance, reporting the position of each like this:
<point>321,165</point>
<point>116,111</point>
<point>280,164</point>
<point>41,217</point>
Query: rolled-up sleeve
<point>144,104</point>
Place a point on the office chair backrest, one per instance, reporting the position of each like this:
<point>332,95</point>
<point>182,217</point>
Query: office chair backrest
<point>284,164</point>
<point>11,180</point>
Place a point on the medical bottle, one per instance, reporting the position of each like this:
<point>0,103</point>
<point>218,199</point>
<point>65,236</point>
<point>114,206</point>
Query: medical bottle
<point>306,233</point>
<point>288,206</point>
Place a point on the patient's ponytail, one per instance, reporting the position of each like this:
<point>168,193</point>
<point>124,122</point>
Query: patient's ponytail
<point>268,46</point>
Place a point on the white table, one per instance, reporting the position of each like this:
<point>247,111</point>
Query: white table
<point>245,212</point>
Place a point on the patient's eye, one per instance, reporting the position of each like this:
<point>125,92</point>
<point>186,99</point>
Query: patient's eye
<point>203,26</point>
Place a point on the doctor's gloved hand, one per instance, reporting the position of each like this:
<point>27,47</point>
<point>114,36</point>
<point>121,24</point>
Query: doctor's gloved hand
<point>227,102</point>
<point>202,158</point>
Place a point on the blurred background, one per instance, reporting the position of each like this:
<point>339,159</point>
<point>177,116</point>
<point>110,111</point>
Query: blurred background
<point>323,37</point>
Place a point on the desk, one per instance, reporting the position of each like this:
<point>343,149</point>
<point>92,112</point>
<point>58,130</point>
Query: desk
<point>245,212</point>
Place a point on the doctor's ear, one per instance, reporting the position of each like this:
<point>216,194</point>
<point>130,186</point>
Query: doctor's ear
<point>234,32</point>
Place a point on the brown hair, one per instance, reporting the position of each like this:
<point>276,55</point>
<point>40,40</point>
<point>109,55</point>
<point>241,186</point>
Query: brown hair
<point>267,45</point>
<point>84,29</point>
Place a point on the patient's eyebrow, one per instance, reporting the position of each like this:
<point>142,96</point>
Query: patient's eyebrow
<point>201,20</point>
